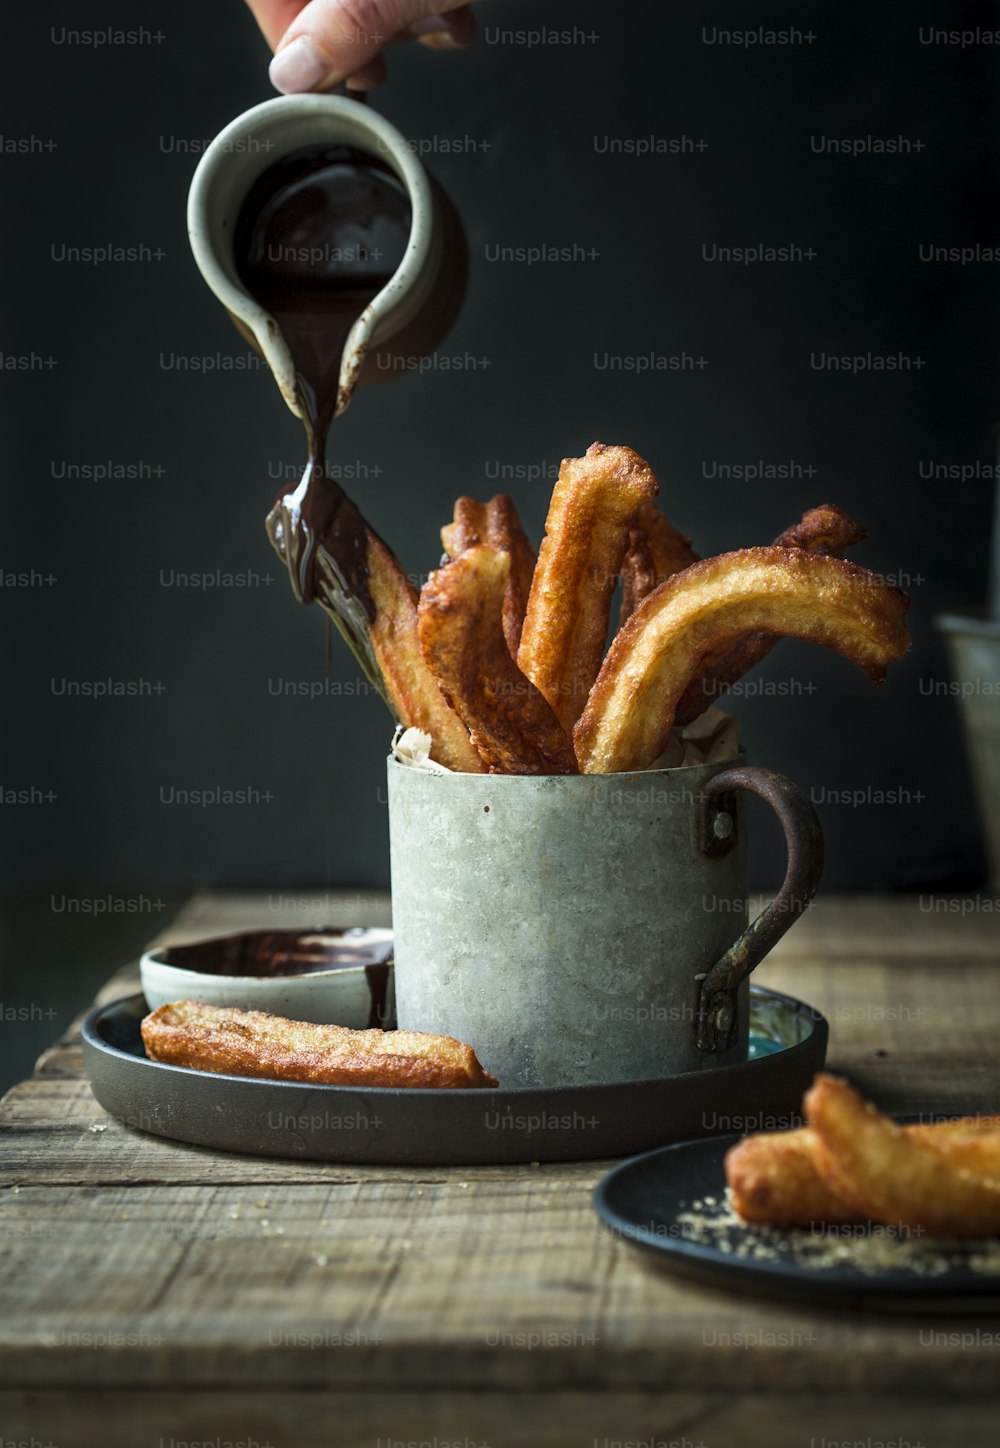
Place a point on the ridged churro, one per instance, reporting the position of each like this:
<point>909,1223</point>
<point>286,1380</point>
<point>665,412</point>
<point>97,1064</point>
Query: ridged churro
<point>774,1179</point>
<point>699,613</point>
<point>256,1043</point>
<point>565,629</point>
<point>888,1176</point>
<point>461,634</point>
<point>359,584</point>
<point>825,530</point>
<point>656,551</point>
<point>496,524</point>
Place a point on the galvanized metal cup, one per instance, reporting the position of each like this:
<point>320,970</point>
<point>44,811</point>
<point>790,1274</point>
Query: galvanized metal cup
<point>589,928</point>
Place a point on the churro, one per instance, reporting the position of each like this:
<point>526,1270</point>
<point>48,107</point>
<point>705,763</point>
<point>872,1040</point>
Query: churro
<point>699,613</point>
<point>496,524</point>
<point>565,629</point>
<point>256,1043</point>
<point>461,633</point>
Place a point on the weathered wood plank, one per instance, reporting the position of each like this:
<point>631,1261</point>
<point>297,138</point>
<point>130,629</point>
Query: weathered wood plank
<point>319,1419</point>
<point>218,912</point>
<point>389,1286</point>
<point>442,1302</point>
<point>54,1132</point>
<point>886,925</point>
<point>895,927</point>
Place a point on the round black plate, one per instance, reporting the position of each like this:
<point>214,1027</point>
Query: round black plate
<point>393,1126</point>
<point>647,1201</point>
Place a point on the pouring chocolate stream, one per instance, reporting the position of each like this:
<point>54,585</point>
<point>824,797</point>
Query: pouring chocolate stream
<point>319,235</point>
<point>340,246</point>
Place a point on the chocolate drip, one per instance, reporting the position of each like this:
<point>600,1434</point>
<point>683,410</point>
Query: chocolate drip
<point>377,976</point>
<point>315,525</point>
<point>319,235</point>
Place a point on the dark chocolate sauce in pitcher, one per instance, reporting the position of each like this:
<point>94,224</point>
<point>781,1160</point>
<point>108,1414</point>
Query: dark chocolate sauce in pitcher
<point>319,235</point>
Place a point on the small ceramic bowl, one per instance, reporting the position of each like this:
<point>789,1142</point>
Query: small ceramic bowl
<point>336,977</point>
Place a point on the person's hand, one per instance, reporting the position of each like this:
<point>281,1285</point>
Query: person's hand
<point>319,43</point>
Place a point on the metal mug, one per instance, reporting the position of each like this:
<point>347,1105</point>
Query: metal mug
<point>580,929</point>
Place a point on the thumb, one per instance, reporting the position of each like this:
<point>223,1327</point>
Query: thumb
<point>331,39</point>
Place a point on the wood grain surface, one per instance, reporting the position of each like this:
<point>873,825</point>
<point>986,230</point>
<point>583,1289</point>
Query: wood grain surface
<point>159,1294</point>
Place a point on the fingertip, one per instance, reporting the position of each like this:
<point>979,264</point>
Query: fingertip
<point>300,66</point>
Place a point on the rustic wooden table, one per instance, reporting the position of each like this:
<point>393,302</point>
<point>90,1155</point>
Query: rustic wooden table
<point>157,1294</point>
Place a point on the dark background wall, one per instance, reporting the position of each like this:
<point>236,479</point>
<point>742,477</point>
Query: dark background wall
<point>522,137</point>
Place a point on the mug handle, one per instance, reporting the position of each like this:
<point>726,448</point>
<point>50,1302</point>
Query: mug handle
<point>715,836</point>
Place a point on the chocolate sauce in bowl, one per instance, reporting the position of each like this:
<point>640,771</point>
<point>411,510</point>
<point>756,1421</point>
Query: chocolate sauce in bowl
<point>319,235</point>
<point>276,954</point>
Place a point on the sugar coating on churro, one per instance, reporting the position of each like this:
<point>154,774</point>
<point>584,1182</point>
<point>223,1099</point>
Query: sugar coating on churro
<point>257,1043</point>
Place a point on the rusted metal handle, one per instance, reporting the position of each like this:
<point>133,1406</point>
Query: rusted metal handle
<point>715,826</point>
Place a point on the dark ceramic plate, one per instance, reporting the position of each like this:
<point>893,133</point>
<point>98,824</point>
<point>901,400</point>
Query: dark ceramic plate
<point>672,1204</point>
<point>390,1125</point>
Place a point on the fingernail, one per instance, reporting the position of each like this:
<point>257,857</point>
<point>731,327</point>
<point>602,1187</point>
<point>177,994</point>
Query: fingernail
<point>299,67</point>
